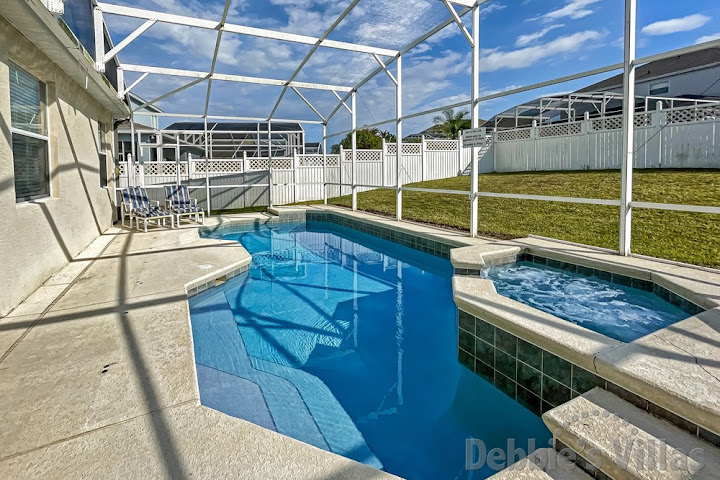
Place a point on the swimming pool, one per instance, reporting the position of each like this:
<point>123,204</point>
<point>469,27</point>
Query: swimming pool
<point>349,342</point>
<point>622,312</point>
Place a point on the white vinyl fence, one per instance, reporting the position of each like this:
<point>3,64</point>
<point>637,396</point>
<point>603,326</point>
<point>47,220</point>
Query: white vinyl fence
<point>299,178</point>
<point>680,138</point>
<point>674,138</point>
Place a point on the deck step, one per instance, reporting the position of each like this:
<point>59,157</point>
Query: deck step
<point>542,464</point>
<point>625,442</point>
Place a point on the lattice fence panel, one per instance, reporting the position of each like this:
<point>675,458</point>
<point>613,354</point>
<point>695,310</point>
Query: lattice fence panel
<point>408,148</point>
<point>560,129</point>
<point>221,166</point>
<point>694,114</point>
<point>369,156</point>
<point>258,164</point>
<point>282,163</point>
<point>510,135</point>
<point>441,145</point>
<point>643,119</point>
<point>310,160</point>
<point>607,123</point>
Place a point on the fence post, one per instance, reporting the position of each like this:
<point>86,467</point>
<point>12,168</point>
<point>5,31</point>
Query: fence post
<point>585,129</point>
<point>340,163</point>
<point>533,139</point>
<point>658,119</point>
<point>295,164</point>
<point>423,160</point>
<point>461,153</point>
<point>383,159</point>
<point>494,147</point>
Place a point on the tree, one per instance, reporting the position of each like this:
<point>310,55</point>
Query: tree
<point>451,123</point>
<point>368,139</point>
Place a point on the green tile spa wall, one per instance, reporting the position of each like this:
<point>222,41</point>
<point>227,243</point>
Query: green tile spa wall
<point>538,379</point>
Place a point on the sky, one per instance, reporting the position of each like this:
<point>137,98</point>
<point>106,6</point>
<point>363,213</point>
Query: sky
<point>522,42</point>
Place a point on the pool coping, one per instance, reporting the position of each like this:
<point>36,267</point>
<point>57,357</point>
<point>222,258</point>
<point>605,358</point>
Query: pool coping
<point>675,368</point>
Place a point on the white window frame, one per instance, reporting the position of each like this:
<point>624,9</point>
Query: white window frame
<point>46,137</point>
<point>102,151</point>
<point>659,85</point>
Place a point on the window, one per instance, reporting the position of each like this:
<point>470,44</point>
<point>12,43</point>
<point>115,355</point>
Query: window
<point>659,88</point>
<point>28,121</point>
<point>102,148</point>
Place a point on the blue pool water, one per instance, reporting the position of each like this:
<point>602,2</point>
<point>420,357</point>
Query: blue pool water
<point>617,311</point>
<point>349,342</point>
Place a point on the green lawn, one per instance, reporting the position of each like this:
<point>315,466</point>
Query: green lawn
<point>686,237</point>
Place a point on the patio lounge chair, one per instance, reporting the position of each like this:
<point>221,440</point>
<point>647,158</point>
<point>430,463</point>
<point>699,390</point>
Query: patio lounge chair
<point>178,201</point>
<point>135,205</point>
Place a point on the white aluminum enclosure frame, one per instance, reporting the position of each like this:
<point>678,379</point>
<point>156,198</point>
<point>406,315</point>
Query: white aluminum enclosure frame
<point>628,66</point>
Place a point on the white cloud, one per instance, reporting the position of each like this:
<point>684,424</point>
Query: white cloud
<point>489,8</point>
<point>674,25</point>
<point>496,59</point>
<point>574,9</point>
<point>525,40</point>
<point>708,38</point>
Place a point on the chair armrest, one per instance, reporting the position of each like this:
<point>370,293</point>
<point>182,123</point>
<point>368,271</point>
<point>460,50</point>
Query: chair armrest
<point>194,201</point>
<point>156,202</point>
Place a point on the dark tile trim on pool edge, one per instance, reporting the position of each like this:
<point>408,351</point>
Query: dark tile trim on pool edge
<point>538,379</point>
<point>418,242</point>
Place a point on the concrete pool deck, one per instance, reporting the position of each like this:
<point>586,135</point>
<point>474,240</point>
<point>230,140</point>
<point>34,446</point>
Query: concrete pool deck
<point>97,373</point>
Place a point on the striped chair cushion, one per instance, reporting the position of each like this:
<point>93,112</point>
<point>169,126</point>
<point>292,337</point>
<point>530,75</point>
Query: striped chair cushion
<point>155,212</point>
<point>128,197</point>
<point>178,195</point>
<point>141,199</point>
<point>187,209</point>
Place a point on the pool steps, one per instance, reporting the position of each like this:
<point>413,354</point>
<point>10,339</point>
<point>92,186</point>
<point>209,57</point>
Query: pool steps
<point>626,442</point>
<point>315,419</point>
<point>543,464</point>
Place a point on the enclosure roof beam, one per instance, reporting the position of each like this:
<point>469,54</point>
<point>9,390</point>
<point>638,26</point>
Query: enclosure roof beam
<point>299,68</point>
<point>239,29</point>
<point>307,102</point>
<point>127,40</point>
<point>382,64</point>
<point>459,23</point>
<point>134,84</point>
<point>409,47</point>
<point>215,54</point>
<point>342,102</point>
<point>241,119</point>
<point>169,94</point>
<point>229,78</point>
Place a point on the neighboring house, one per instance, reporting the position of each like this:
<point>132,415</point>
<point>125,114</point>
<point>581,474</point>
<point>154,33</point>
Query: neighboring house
<point>231,139</point>
<point>432,133</point>
<point>314,148</point>
<point>56,119</point>
<point>692,76</point>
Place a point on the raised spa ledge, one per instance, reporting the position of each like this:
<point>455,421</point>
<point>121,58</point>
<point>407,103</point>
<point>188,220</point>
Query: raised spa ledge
<point>542,464</point>
<point>477,257</point>
<point>677,368</point>
<point>574,343</point>
<point>627,442</point>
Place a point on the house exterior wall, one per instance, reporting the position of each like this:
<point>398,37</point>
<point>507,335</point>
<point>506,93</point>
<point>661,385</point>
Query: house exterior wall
<point>695,82</point>
<point>38,238</point>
